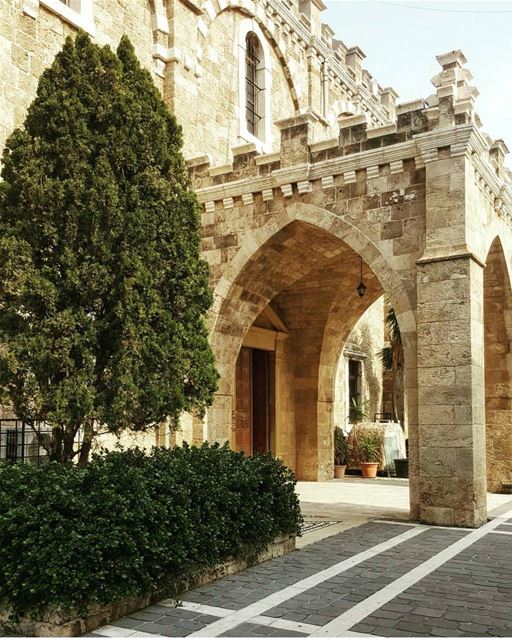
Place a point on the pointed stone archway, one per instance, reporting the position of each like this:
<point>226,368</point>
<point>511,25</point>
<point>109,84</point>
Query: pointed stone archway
<point>302,267</point>
<point>420,202</point>
<point>498,368</point>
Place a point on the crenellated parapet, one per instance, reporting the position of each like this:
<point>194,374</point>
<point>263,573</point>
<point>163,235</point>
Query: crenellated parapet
<point>424,131</point>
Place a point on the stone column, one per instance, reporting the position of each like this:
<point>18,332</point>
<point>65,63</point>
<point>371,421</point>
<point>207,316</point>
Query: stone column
<point>451,398</point>
<point>452,482</point>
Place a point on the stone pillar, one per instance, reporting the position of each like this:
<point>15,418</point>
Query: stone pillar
<point>452,480</point>
<point>451,398</point>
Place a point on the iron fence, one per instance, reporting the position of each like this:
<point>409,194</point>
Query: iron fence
<point>21,441</point>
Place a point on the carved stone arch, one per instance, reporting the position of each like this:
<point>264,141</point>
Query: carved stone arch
<point>255,12</point>
<point>341,229</point>
<point>303,250</point>
<point>498,231</point>
<point>343,108</point>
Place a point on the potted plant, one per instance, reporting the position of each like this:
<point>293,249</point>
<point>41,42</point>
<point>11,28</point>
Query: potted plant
<point>340,453</point>
<point>358,410</point>
<point>369,450</point>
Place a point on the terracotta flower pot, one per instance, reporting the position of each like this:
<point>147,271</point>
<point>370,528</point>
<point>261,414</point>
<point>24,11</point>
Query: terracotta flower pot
<point>369,469</point>
<point>339,470</point>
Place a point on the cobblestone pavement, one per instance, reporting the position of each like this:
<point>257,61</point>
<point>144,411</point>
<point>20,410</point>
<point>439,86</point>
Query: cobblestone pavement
<point>378,579</point>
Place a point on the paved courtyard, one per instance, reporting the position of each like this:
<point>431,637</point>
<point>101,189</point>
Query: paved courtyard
<point>380,578</point>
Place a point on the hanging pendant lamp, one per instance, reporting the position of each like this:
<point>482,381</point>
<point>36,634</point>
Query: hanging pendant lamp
<point>361,287</point>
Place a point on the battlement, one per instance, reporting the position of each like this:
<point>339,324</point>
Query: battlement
<point>443,126</point>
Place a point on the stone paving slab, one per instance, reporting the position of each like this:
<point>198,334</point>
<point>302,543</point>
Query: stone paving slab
<point>325,602</point>
<point>378,579</point>
<point>255,583</point>
<point>469,595</point>
<point>248,630</point>
<point>160,620</point>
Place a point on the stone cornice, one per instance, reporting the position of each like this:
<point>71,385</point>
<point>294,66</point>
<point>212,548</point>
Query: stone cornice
<point>309,172</point>
<point>457,253</point>
<point>463,138</point>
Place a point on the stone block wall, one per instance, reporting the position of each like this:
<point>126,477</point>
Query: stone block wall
<point>31,35</point>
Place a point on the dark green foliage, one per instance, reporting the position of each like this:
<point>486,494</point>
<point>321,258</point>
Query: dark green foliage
<point>369,448</point>
<point>102,291</point>
<point>340,447</point>
<point>392,356</point>
<point>129,522</point>
<point>358,409</point>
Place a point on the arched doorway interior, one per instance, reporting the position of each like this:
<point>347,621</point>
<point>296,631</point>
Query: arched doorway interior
<point>498,369</point>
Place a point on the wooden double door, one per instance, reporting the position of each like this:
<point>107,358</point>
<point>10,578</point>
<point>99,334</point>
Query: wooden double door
<point>254,418</point>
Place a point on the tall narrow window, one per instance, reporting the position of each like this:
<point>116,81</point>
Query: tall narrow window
<point>253,83</point>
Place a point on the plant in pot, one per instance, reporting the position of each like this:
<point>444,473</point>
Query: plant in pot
<point>369,450</point>
<point>358,410</point>
<point>340,453</point>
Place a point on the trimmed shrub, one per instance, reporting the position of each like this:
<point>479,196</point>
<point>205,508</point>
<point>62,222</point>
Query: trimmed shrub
<point>130,522</point>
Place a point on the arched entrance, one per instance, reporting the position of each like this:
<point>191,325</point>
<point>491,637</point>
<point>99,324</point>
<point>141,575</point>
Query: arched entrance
<point>303,272</point>
<point>498,368</point>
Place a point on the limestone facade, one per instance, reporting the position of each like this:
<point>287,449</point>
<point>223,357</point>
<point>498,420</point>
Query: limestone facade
<point>333,172</point>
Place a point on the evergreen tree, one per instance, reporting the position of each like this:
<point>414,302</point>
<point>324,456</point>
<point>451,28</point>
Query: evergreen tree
<point>102,289</point>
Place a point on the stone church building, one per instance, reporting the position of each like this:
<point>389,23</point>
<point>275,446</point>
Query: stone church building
<point>313,180</point>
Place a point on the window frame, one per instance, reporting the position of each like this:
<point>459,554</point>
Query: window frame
<point>81,17</point>
<point>263,137</point>
<point>253,89</point>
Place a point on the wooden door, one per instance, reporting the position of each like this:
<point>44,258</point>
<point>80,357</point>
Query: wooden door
<point>242,422</point>
<point>261,401</point>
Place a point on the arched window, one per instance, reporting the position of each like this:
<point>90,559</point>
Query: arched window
<point>254,109</point>
<point>254,79</point>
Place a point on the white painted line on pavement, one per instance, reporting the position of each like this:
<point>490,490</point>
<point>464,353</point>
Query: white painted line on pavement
<point>219,612</point>
<point>281,623</point>
<point>340,625</point>
<point>418,524</point>
<point>503,533</point>
<point>111,631</point>
<point>273,600</point>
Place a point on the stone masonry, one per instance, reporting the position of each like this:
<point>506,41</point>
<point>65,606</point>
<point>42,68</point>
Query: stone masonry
<point>336,173</point>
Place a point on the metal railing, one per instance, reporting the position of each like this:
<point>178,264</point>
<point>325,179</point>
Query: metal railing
<point>21,441</point>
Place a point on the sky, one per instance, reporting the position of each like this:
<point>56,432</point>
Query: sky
<point>401,39</point>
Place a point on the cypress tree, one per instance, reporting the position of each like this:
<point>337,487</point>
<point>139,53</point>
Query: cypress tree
<point>102,289</point>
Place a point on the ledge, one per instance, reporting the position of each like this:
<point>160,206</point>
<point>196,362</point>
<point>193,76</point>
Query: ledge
<point>322,145</point>
<point>198,161</point>
<point>268,158</point>
<point>83,21</point>
<point>444,254</point>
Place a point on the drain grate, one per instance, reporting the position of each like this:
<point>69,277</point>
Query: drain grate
<point>308,527</point>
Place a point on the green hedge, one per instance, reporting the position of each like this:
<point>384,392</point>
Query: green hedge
<point>131,522</point>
